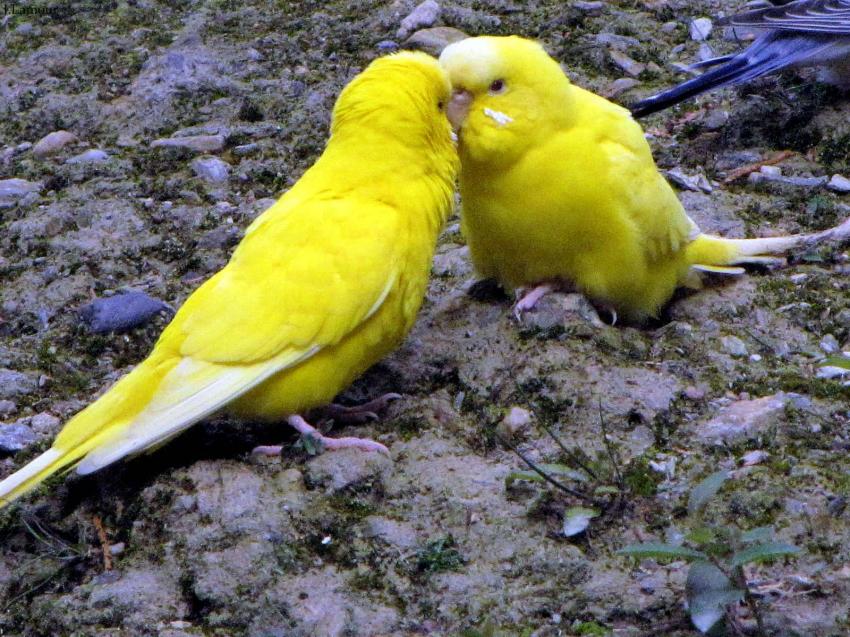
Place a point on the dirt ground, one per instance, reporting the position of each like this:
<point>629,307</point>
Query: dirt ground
<point>204,539</point>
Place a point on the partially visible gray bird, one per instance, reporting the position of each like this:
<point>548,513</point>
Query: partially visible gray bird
<point>793,34</point>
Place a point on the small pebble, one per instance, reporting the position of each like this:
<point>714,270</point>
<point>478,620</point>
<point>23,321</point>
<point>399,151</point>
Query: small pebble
<point>434,40</point>
<point>700,29</point>
<point>89,156</point>
<point>387,46</point>
<point>754,457</point>
<point>620,86</point>
<point>7,408</point>
<point>424,15</point>
<point>838,183</point>
<point>245,149</point>
<point>117,549</point>
<point>52,143</point>
<point>254,55</point>
<point>15,437</point>
<point>829,344</point>
<point>734,346</point>
<point>197,143</point>
<point>716,118</point>
<point>627,64</point>
<point>594,8</point>
<point>211,169</point>
<point>771,171</point>
<point>14,384</point>
<point>44,423</point>
<point>669,27</point>
<point>121,312</point>
<point>16,188</point>
<point>693,393</point>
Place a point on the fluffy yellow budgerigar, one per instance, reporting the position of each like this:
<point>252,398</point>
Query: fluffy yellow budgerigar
<point>324,284</point>
<point>558,187</point>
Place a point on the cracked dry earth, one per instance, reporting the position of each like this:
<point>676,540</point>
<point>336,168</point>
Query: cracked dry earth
<point>187,118</point>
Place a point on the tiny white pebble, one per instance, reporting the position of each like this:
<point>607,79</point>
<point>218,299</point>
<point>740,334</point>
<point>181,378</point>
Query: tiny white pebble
<point>326,540</point>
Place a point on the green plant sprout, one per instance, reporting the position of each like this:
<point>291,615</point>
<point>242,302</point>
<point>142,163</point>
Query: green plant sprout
<point>717,580</point>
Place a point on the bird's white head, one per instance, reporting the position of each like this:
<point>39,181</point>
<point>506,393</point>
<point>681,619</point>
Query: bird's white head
<point>503,91</point>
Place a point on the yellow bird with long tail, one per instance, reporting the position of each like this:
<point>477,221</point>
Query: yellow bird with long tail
<point>325,283</point>
<point>559,188</point>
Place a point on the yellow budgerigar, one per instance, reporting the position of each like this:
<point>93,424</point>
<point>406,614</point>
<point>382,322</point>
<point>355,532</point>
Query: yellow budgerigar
<point>559,188</point>
<point>324,284</point>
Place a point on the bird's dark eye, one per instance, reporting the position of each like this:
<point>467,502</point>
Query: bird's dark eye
<point>497,86</point>
<point>440,105</point>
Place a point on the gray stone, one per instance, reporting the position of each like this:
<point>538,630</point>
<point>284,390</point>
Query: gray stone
<point>387,46</point>
<point>44,423</point>
<point>424,15</point>
<point>734,346</point>
<point>337,470</point>
<point>7,408</point>
<point>627,64</point>
<point>593,8</point>
<point>16,437</point>
<point>453,261</point>
<point>394,533</point>
<point>14,384</point>
<point>829,344</point>
<point>616,41</point>
<point>245,149</point>
<point>434,40</point>
<point>195,143</point>
<point>620,86</point>
<point>121,312</point>
<point>11,189</point>
<point>211,169</point>
<point>838,183</point>
<point>700,29</point>
<point>53,143</point>
<point>90,156</point>
<point>744,419</point>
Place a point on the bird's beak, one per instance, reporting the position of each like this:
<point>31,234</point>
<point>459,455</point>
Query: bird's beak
<point>458,107</point>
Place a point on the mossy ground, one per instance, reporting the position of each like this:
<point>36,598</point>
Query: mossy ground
<point>215,543</point>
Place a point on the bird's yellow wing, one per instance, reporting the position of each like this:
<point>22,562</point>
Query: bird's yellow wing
<point>649,201</point>
<point>302,282</point>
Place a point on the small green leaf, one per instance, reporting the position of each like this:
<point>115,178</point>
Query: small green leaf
<point>835,361</point>
<point>521,475</point>
<point>705,490</point>
<point>313,445</point>
<point>659,550</point>
<point>701,535</point>
<point>550,469</point>
<point>706,609</point>
<point>606,490</point>
<point>763,552</point>
<point>577,519</point>
<point>565,471</point>
<point>760,534</point>
<point>708,591</point>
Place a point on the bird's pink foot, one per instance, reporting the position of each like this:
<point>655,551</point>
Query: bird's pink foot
<point>309,432</point>
<point>359,414</point>
<point>528,300</point>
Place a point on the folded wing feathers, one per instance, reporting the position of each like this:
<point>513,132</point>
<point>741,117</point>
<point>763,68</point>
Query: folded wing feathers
<point>188,393</point>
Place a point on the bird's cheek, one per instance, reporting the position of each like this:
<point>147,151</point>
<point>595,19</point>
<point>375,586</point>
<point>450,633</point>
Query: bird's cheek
<point>458,107</point>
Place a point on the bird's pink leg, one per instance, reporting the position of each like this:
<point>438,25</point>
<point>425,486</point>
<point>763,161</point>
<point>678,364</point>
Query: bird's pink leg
<point>528,300</point>
<point>308,430</point>
<point>358,414</point>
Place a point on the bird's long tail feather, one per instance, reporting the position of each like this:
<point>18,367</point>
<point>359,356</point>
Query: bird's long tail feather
<point>716,254</point>
<point>771,52</point>
<point>89,428</point>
